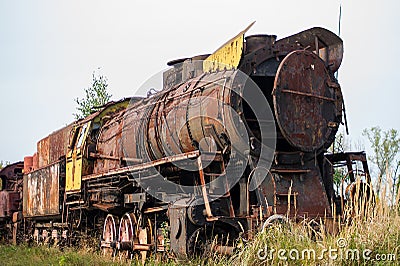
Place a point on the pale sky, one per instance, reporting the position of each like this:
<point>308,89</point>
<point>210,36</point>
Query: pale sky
<point>49,49</point>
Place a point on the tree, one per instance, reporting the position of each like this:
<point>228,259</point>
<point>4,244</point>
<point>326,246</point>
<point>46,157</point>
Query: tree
<point>385,146</point>
<point>3,164</point>
<point>340,144</point>
<point>95,96</point>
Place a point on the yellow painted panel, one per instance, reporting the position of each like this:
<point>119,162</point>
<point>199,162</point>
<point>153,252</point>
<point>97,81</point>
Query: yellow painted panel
<point>228,55</point>
<point>75,158</point>
<point>77,174</point>
<point>69,175</point>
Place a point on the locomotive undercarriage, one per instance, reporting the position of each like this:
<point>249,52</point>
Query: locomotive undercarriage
<point>114,208</point>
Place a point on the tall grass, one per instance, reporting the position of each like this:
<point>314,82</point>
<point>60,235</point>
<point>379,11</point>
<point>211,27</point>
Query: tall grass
<point>368,233</point>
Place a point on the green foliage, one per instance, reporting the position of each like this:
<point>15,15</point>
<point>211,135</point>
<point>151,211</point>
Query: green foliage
<point>341,144</point>
<point>42,255</point>
<point>3,164</point>
<point>165,233</point>
<point>386,147</point>
<point>95,96</point>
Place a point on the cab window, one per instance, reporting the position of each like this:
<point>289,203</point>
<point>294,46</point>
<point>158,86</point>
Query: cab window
<point>81,136</point>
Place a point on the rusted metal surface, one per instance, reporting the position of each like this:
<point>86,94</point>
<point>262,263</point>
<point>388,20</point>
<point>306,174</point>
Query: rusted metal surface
<point>11,176</point>
<point>59,143</point>
<point>143,166</point>
<point>175,121</point>
<point>4,204</point>
<point>328,45</point>
<point>51,148</point>
<point>43,149</point>
<point>10,189</point>
<point>35,161</point>
<point>109,145</point>
<point>105,143</point>
<point>41,191</point>
<point>265,59</point>
<point>28,164</point>
<point>307,102</point>
<point>203,189</point>
<point>225,250</point>
<point>300,193</point>
<point>260,41</point>
<point>305,192</point>
<point>9,203</point>
<point>179,230</point>
<point>348,158</point>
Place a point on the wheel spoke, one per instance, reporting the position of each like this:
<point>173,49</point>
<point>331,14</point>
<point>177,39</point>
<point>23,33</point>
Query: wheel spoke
<point>127,234</point>
<point>109,237</point>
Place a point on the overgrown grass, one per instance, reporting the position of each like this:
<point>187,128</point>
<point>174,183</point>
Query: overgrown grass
<point>301,245</point>
<point>365,235</point>
<point>368,233</point>
<point>41,255</point>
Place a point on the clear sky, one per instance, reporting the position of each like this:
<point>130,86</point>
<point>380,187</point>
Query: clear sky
<point>49,49</point>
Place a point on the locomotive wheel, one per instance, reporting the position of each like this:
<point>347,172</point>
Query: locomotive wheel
<point>76,218</point>
<point>203,241</point>
<point>130,233</point>
<point>109,236</point>
<point>274,220</point>
<point>127,236</point>
<point>361,199</point>
<point>144,236</point>
<point>6,233</point>
<point>198,243</point>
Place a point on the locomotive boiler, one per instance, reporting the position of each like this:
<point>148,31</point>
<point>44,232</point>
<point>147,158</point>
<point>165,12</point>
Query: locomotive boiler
<point>231,142</point>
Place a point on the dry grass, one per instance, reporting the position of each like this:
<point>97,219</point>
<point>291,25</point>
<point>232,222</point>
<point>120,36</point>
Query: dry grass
<point>367,234</point>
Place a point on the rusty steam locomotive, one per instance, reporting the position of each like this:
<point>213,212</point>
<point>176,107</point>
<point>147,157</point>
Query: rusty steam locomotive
<point>233,141</point>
